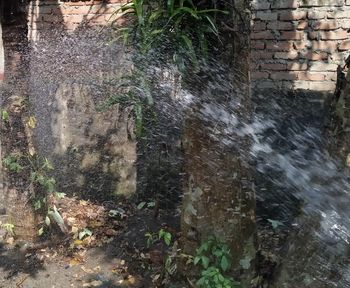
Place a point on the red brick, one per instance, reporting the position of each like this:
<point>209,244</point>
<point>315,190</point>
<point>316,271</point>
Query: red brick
<point>338,14</point>
<point>267,16</point>
<point>322,86</point>
<point>284,76</point>
<point>335,35</point>
<point>292,15</point>
<point>321,66</point>
<point>262,35</point>
<point>303,24</point>
<point>300,45</point>
<point>260,5</point>
<point>324,46</point>
<point>338,56</point>
<point>318,3</point>
<point>284,4</point>
<point>260,55</point>
<point>279,25</point>
<point>287,55</point>
<point>325,25</point>
<point>314,35</point>
<point>303,85</point>
<point>259,26</point>
<point>310,55</point>
<point>332,76</point>
<point>343,46</point>
<point>259,75</point>
<point>311,76</point>
<point>279,46</point>
<point>345,24</point>
<point>316,15</point>
<point>294,66</point>
<point>52,18</point>
<point>292,35</point>
<point>259,45</point>
<point>74,18</point>
<point>273,66</point>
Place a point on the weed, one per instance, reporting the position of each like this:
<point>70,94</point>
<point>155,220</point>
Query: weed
<point>215,260</point>
<point>152,238</point>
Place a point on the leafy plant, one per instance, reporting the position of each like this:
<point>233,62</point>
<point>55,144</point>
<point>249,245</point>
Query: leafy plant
<point>144,204</point>
<point>179,24</point>
<point>214,258</point>
<point>9,228</point>
<point>5,116</point>
<point>85,233</point>
<point>117,213</point>
<point>275,223</point>
<point>12,163</point>
<point>160,235</point>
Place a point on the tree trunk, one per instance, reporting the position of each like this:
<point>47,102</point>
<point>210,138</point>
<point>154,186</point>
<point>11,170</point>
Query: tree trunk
<point>219,199</point>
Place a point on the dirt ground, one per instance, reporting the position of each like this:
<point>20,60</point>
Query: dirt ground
<point>122,260</point>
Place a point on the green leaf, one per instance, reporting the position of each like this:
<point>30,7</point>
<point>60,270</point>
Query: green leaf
<point>213,25</point>
<point>225,264</point>
<point>141,205</point>
<point>212,10</point>
<point>170,6</point>
<point>5,116</point>
<point>41,231</point>
<point>151,204</point>
<point>56,216</point>
<point>59,195</point>
<point>47,164</point>
<point>180,11</point>
<point>47,221</point>
<point>167,238</point>
<point>188,43</point>
<point>245,262</point>
<point>205,261</point>
<point>275,223</point>
<point>196,260</point>
<point>86,232</point>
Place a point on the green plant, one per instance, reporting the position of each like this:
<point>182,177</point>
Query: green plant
<point>12,162</point>
<point>215,260</point>
<point>179,24</point>
<point>85,233</point>
<point>133,90</point>
<point>9,228</point>
<point>144,204</point>
<point>5,116</point>
<point>151,238</point>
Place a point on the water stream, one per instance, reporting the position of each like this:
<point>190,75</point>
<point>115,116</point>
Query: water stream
<point>96,155</point>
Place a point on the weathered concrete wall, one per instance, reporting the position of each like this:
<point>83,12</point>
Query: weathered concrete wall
<point>93,150</point>
<point>299,43</point>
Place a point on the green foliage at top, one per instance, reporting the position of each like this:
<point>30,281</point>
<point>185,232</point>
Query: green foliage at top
<point>215,260</point>
<point>178,27</point>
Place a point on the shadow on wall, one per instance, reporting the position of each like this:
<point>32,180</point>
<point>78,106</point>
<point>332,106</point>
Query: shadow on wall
<point>299,44</point>
<point>72,73</point>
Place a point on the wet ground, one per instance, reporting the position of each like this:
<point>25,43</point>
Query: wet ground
<point>121,260</point>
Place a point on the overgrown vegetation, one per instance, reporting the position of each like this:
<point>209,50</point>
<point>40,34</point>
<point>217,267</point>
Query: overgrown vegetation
<point>39,169</point>
<point>179,28</point>
<point>214,259</point>
<point>177,32</point>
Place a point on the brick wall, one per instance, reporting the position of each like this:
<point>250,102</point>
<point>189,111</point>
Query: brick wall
<point>296,43</point>
<point>299,43</point>
<point>70,15</point>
